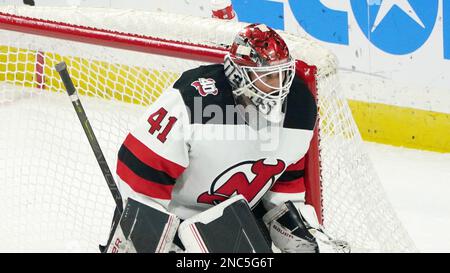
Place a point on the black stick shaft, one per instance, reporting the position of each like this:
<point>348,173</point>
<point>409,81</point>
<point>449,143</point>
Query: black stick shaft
<point>70,88</point>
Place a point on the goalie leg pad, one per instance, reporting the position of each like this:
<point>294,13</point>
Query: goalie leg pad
<point>143,229</point>
<point>229,227</point>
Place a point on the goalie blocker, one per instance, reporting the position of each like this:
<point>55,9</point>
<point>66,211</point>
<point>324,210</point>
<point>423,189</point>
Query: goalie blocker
<point>229,227</point>
<point>298,231</point>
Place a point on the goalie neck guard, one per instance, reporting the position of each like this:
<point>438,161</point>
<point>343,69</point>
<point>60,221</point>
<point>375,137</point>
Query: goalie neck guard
<point>261,70</point>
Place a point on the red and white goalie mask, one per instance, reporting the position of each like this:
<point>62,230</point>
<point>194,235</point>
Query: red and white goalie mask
<point>261,70</point>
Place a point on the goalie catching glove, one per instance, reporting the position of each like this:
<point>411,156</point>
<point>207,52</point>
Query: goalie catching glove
<point>298,231</point>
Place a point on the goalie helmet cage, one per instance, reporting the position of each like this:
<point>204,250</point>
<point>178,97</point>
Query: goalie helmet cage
<point>53,194</point>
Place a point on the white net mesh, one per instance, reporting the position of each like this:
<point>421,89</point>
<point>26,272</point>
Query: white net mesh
<point>54,197</point>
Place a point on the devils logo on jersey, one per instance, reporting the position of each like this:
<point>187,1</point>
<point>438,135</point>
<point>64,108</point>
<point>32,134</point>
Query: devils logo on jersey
<point>250,178</point>
<point>205,87</point>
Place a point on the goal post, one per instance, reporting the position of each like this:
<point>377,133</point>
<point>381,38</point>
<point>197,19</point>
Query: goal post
<point>121,61</point>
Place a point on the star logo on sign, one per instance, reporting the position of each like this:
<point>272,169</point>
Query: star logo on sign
<point>387,5</point>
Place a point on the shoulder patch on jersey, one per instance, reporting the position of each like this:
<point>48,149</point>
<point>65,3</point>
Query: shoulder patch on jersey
<point>205,87</point>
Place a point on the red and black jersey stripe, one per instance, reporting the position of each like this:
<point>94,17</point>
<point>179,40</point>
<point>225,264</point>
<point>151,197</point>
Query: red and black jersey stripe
<point>289,176</point>
<point>292,180</point>
<point>145,171</point>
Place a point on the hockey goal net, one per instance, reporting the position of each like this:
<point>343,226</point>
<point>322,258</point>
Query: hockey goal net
<point>54,197</point>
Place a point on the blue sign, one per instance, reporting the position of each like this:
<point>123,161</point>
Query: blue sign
<point>320,21</point>
<point>260,11</point>
<point>396,27</point>
<point>446,19</point>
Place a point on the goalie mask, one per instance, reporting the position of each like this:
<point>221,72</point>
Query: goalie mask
<point>261,70</point>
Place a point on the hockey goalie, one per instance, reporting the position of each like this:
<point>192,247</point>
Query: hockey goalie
<point>226,142</point>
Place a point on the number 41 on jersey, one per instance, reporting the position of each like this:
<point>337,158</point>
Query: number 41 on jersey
<point>155,121</point>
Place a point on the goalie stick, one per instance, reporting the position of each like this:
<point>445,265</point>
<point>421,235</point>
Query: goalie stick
<point>61,68</point>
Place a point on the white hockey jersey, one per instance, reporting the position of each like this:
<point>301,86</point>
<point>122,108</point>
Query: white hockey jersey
<point>186,154</point>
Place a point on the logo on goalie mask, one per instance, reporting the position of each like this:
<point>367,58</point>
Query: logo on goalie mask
<point>252,179</point>
<point>205,87</point>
